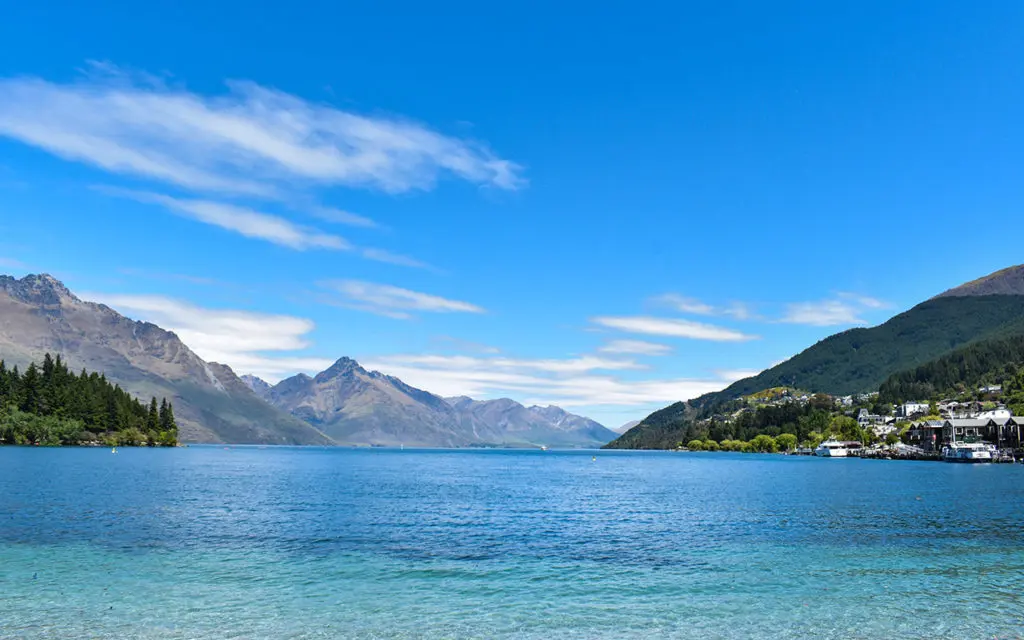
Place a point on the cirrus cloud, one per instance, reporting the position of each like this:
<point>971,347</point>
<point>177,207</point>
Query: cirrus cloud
<point>262,226</point>
<point>636,347</point>
<point>683,304</point>
<point>246,222</point>
<point>845,309</point>
<point>672,327</point>
<point>251,140</point>
<point>391,301</point>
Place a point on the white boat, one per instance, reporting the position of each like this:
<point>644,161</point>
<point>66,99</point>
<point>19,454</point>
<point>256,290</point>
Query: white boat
<point>832,448</point>
<point>968,452</point>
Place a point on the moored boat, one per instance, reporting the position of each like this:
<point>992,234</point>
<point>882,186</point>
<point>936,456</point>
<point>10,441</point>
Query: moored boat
<point>968,452</point>
<point>832,448</point>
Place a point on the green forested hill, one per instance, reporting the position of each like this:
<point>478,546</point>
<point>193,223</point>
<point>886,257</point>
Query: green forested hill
<point>859,360</point>
<point>854,361</point>
<point>988,362</point>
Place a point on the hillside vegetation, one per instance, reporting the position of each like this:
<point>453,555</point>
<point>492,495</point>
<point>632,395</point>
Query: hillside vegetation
<point>859,360</point>
<point>964,371</point>
<point>854,361</point>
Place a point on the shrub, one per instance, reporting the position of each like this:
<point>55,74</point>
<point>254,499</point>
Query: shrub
<point>786,441</point>
<point>764,444</point>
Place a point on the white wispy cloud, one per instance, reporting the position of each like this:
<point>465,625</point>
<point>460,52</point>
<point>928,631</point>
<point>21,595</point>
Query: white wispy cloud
<point>738,310</point>
<point>246,222</point>
<point>251,140</point>
<point>867,302</point>
<point>672,327</point>
<point>844,309</point>
<point>636,347</point>
<point>394,302</point>
<point>388,257</point>
<point>684,304</point>
<point>571,382</point>
<point>262,226</point>
<point>576,364</point>
<point>732,375</point>
<point>825,313</point>
<point>337,216</point>
<point>240,339</point>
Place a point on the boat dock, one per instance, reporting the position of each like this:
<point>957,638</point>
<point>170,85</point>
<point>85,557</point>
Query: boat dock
<point>914,453</point>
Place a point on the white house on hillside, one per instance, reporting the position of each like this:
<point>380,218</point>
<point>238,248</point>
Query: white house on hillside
<point>908,409</point>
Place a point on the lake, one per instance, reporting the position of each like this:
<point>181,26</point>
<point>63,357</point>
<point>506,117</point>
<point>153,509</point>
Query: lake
<point>246,542</point>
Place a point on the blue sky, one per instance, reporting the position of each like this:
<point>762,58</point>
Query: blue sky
<point>604,206</point>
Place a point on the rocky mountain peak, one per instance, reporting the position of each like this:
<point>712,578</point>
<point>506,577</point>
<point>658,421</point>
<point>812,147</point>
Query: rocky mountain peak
<point>354,406</point>
<point>38,289</point>
<point>258,385</point>
<point>549,411</point>
<point>343,366</point>
<point>502,403</point>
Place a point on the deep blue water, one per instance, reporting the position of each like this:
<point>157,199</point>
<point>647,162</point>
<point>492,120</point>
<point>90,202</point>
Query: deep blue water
<point>208,542</point>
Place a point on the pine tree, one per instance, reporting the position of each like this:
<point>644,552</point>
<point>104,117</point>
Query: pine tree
<point>165,418</point>
<point>5,385</point>
<point>172,425</point>
<point>47,368</point>
<point>48,387</point>
<point>30,390</point>
<point>153,419</point>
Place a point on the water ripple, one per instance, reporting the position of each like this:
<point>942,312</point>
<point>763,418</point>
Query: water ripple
<point>330,543</point>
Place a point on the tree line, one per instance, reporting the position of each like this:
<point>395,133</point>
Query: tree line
<point>50,405</point>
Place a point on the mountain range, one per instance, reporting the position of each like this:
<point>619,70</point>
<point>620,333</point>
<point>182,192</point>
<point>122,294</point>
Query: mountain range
<point>352,405</point>
<point>860,360</point>
<point>343,405</point>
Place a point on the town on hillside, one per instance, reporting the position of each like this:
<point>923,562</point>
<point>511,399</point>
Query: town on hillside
<point>977,425</point>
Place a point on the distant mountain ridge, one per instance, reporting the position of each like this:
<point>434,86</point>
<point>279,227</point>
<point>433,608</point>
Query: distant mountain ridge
<point>38,314</point>
<point>548,425</point>
<point>860,360</point>
<point>356,406</point>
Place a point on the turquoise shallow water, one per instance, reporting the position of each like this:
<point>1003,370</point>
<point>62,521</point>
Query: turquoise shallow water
<point>208,542</point>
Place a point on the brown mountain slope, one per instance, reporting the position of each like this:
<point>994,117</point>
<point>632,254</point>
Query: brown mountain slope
<point>38,314</point>
<point>1006,282</point>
